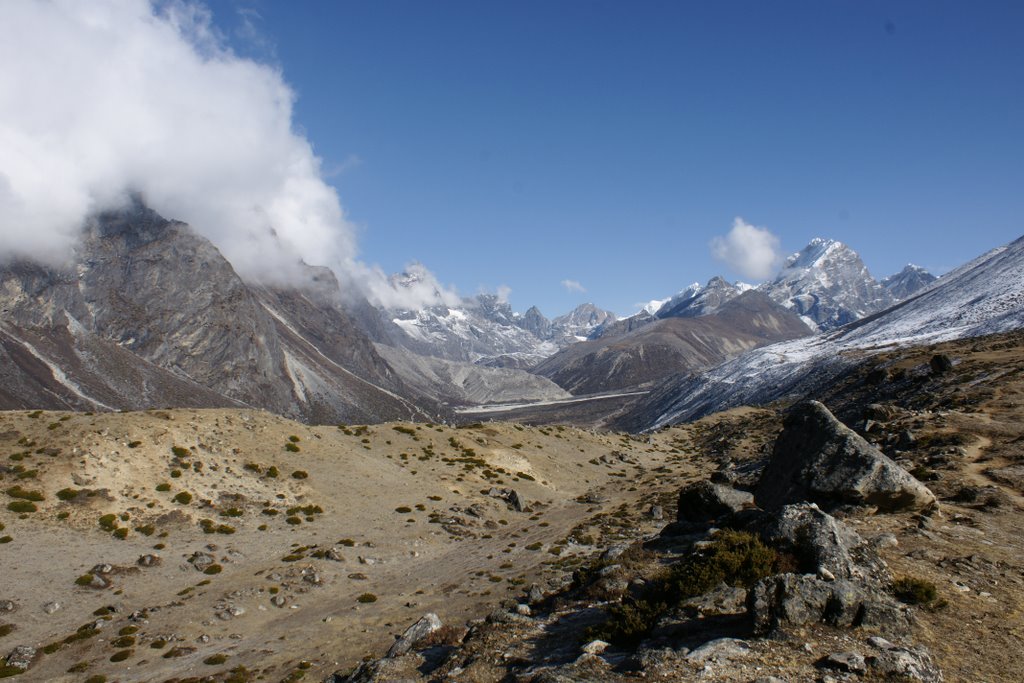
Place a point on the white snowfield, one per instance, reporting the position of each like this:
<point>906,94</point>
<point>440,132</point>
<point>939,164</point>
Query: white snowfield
<point>981,297</point>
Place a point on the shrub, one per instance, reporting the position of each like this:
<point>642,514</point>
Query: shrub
<point>163,487</point>
<point>121,655</point>
<point>123,641</point>
<point>108,522</point>
<point>272,472</point>
<point>180,451</point>
<point>98,678</point>
<point>22,506</point>
<point>25,494</point>
<point>134,444</point>
<point>213,569</point>
<point>146,529</point>
<point>216,660</point>
<point>294,439</point>
<point>914,591</point>
<point>734,557</point>
<point>291,448</point>
<point>84,580</point>
<point>6,629</point>
<point>300,474</point>
<point>367,598</point>
<point>403,510</point>
<point>121,533</point>
<point>128,631</point>
<point>6,539</point>
<point>67,494</point>
<point>183,497</point>
<point>175,474</point>
<point>293,520</point>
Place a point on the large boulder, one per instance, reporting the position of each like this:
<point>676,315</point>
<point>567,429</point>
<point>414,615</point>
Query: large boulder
<point>823,544</point>
<point>793,600</point>
<point>705,501</point>
<point>819,459</point>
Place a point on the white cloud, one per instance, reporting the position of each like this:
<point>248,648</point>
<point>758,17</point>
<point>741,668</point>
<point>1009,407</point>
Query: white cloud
<point>106,97</point>
<point>414,288</point>
<point>573,286</point>
<point>751,251</point>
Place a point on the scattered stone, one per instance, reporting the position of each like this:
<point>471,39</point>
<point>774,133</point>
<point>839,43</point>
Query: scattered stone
<point>51,607</point>
<point>657,513</point>
<point>595,647</point>
<point>334,554</point>
<point>705,501</point>
<point>535,595</point>
<point>906,664</point>
<point>149,560</point>
<point>615,551</point>
<point>201,560</point>
<point>426,625</point>
<point>278,601</point>
<point>718,650</point>
<point>723,599</point>
<point>884,541</point>
<point>850,662</point>
<point>21,657</point>
<point>523,610</point>
<point>819,459</point>
<point>880,642</point>
<point>7,606</point>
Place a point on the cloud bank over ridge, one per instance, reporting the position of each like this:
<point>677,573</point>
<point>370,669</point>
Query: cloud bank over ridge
<point>102,98</point>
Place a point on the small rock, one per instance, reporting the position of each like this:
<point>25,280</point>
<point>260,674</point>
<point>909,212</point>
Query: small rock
<point>425,626</point>
<point>940,363</point>
<point>913,664</point>
<point>720,649</point>
<point>278,601</point>
<point>51,607</point>
<point>825,574</point>
<point>595,647</point>
<point>21,657</point>
<point>657,513</point>
<point>148,560</point>
<point>102,569</point>
<point>885,541</point>
<point>850,662</point>
<point>523,610</point>
<point>614,551</point>
<point>880,642</point>
<point>535,595</point>
<point>7,606</point>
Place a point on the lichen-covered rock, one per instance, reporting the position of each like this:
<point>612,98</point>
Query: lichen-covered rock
<point>795,600</point>
<point>818,459</point>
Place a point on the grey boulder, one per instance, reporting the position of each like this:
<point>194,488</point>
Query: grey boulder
<point>705,501</point>
<point>819,459</point>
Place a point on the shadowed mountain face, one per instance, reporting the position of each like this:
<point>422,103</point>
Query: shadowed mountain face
<point>671,346</point>
<point>150,314</point>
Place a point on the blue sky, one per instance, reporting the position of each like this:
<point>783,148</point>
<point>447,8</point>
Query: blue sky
<point>527,143</point>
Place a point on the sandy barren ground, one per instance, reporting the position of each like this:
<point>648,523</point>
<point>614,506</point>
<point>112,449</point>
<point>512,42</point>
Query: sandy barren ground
<point>300,523</point>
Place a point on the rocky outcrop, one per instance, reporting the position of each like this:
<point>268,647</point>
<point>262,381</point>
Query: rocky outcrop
<point>705,501</point>
<point>818,459</point>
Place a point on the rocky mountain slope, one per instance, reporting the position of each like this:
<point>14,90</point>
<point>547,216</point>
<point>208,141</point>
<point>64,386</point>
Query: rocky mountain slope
<point>670,346</point>
<point>982,297</point>
<point>804,550</point>
<point>151,315</point>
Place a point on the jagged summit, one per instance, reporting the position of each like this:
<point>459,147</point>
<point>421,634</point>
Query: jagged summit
<point>696,300</point>
<point>828,285</point>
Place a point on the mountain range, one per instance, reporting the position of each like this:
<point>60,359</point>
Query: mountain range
<point>150,314</point>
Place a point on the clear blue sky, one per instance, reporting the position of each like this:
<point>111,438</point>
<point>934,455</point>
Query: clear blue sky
<point>524,143</point>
